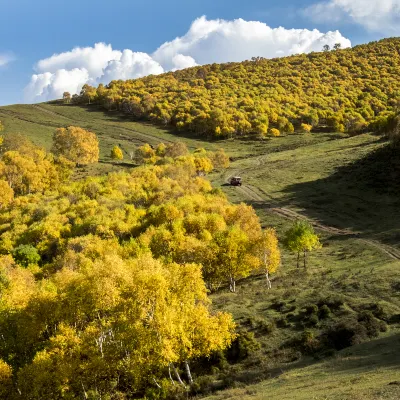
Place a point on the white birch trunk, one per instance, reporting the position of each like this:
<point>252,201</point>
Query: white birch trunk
<point>188,373</point>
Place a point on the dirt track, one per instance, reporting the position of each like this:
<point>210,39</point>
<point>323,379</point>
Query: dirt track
<point>254,194</point>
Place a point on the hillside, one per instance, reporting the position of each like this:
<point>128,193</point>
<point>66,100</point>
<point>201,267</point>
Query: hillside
<point>341,91</point>
<point>341,184</point>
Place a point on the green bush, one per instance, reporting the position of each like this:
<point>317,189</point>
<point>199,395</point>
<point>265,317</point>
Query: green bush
<point>244,345</point>
<point>346,333</point>
<point>25,254</point>
<point>324,312</point>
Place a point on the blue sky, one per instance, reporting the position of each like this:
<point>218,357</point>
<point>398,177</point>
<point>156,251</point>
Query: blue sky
<point>34,30</point>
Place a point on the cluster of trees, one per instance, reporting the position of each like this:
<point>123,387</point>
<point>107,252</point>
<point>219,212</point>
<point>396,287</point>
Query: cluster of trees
<point>344,90</point>
<point>201,160</point>
<point>27,169</point>
<point>103,281</point>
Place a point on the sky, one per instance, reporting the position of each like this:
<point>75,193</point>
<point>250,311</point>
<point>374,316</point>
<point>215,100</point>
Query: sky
<point>48,47</point>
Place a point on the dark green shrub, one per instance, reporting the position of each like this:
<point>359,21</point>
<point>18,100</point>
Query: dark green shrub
<point>346,333</point>
<point>202,385</point>
<point>278,305</point>
<point>313,320</point>
<point>378,311</point>
<point>243,346</point>
<point>25,254</point>
<point>311,309</point>
<point>324,312</point>
<point>282,323</point>
<point>265,327</point>
<point>372,325</point>
<point>334,302</point>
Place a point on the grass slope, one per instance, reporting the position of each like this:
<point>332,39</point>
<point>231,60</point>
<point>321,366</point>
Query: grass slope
<point>328,178</point>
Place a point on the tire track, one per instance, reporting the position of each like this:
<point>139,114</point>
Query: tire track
<point>250,192</point>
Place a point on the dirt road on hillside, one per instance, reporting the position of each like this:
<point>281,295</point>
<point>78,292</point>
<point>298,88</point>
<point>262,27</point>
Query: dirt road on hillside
<point>256,194</point>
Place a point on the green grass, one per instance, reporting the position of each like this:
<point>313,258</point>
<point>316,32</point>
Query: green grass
<point>368,371</point>
<point>337,180</point>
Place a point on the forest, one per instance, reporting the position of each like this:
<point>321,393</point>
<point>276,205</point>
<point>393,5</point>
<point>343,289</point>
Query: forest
<point>104,281</point>
<point>340,90</point>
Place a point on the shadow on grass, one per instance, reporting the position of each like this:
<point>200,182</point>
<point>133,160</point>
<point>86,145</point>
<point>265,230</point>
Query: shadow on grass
<point>377,353</point>
<point>363,196</point>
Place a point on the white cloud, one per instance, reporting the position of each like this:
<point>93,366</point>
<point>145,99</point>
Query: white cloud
<point>238,40</point>
<point>6,58</point>
<point>48,85</point>
<point>375,15</point>
<point>207,41</point>
<point>130,65</point>
<point>69,71</point>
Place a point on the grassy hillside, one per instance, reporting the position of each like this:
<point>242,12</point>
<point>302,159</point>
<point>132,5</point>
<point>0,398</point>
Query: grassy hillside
<point>343,186</point>
<point>341,90</point>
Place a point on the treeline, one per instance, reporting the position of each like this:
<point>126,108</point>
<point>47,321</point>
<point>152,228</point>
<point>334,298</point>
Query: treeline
<point>350,90</point>
<point>103,281</point>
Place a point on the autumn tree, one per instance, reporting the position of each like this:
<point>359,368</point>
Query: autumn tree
<point>176,149</point>
<point>220,159</point>
<point>76,144</point>
<point>306,128</point>
<point>6,194</point>
<point>269,253</point>
<point>116,153</point>
<point>301,238</point>
<point>67,97</point>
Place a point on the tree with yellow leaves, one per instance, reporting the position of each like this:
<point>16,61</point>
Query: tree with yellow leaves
<point>269,253</point>
<point>116,153</point>
<point>306,128</point>
<point>76,144</point>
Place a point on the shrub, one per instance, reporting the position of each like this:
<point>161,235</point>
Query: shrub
<point>26,254</point>
<point>311,309</point>
<point>324,312</point>
<point>278,305</point>
<point>274,132</point>
<point>372,325</point>
<point>346,333</point>
<point>244,345</point>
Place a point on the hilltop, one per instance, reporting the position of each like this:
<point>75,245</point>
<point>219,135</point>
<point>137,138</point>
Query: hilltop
<point>346,90</point>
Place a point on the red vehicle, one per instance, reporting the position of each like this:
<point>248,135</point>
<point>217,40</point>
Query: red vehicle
<point>235,181</point>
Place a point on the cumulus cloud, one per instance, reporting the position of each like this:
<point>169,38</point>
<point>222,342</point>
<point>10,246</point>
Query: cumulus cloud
<point>6,58</point>
<point>130,65</point>
<point>207,41</point>
<point>221,41</point>
<point>375,15</point>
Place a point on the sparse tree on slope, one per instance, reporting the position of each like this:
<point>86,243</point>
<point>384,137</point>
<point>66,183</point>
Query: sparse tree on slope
<point>301,238</point>
<point>268,250</point>
<point>116,153</point>
<point>67,97</point>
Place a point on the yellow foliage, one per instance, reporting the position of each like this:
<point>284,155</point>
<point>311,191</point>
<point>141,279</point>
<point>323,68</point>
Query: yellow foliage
<point>116,153</point>
<point>76,144</point>
<point>274,132</point>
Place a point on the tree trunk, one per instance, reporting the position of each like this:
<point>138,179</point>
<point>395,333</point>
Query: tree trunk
<point>232,285</point>
<point>189,375</point>
<point>298,259</point>
<point>170,375</point>
<point>269,285</point>
<point>305,257</point>
<point>178,376</point>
